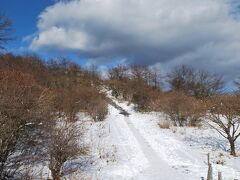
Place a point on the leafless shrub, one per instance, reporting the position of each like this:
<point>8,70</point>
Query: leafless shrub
<point>97,108</point>
<point>181,109</point>
<point>66,144</point>
<point>68,103</point>
<point>196,113</point>
<point>71,101</point>
<point>25,114</point>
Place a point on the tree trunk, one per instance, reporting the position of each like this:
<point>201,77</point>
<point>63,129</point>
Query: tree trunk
<point>55,174</point>
<point>232,146</point>
<point>55,169</point>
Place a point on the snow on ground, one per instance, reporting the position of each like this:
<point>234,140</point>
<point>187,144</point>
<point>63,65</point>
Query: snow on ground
<point>120,152</point>
<point>129,159</point>
<point>142,161</point>
<point>135,157</point>
<point>206,140</point>
<point>135,148</point>
<point>115,153</point>
<point>184,149</point>
<point>172,152</point>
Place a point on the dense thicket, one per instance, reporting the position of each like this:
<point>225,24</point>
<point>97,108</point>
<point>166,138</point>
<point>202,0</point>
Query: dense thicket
<point>33,95</point>
<point>181,109</point>
<point>25,117</point>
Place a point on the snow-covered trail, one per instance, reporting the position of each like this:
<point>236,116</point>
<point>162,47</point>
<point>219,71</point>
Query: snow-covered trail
<point>146,152</point>
<point>137,159</point>
<point>158,168</point>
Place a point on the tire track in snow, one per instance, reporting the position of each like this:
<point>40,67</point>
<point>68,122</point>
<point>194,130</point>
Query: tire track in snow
<point>130,160</point>
<point>158,169</point>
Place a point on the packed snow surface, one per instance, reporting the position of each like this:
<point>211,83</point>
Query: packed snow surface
<point>144,151</point>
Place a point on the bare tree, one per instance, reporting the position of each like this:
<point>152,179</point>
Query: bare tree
<point>180,78</point>
<point>155,78</point>
<point>66,144</point>
<point>118,73</point>
<point>206,84</point>
<point>138,73</point>
<point>200,84</point>
<point>94,74</point>
<point>224,116</point>
<point>5,30</point>
<point>149,76</point>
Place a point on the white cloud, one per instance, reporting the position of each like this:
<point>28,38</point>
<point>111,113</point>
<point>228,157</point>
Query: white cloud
<point>68,39</point>
<point>197,32</point>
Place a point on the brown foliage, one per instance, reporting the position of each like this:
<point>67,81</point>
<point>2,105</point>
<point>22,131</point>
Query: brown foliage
<point>66,74</point>
<point>181,109</point>
<point>68,103</point>
<point>121,89</point>
<point>89,100</point>
<point>25,109</point>
<point>97,107</point>
<point>32,94</point>
<point>28,64</point>
<point>143,96</point>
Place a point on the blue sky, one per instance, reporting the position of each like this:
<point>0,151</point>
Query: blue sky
<point>24,15</point>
